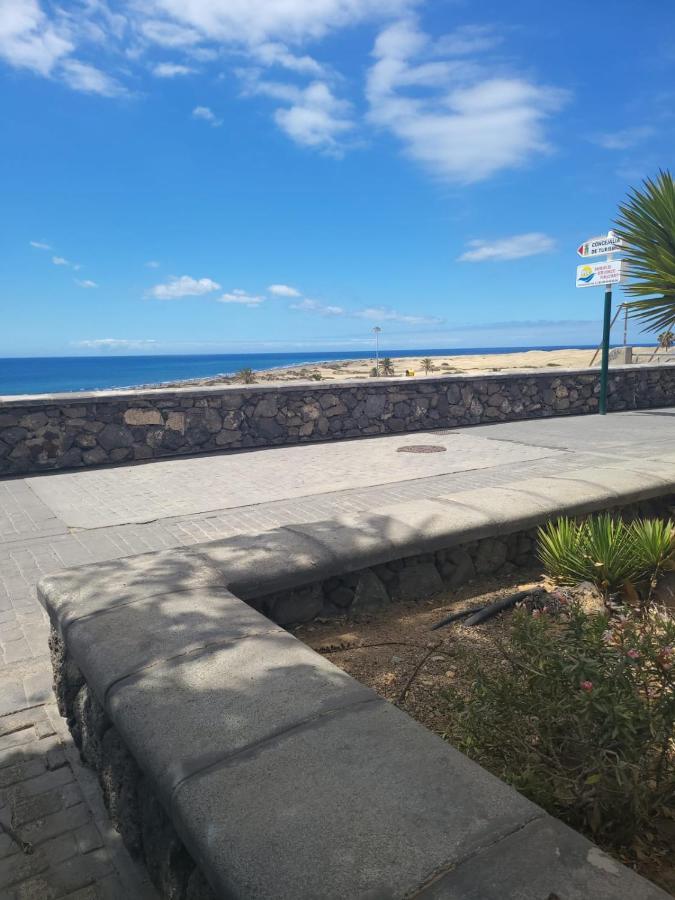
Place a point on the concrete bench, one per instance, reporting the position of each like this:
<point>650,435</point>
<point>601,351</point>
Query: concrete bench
<point>239,763</point>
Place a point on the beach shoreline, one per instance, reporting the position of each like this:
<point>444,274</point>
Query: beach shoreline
<point>450,364</point>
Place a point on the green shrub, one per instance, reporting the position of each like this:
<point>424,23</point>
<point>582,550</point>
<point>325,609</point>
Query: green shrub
<point>606,550</point>
<point>579,717</point>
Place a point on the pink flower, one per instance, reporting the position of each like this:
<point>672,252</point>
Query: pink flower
<point>586,686</point>
<point>634,654</point>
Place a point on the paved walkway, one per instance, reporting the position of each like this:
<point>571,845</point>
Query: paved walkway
<point>66,519</point>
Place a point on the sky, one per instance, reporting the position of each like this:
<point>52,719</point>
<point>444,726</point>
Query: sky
<point>185,176</point>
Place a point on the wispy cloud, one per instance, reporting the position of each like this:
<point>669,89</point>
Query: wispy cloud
<point>458,116</point>
<point>206,115</point>
<point>171,70</point>
<point>60,261</point>
<point>384,314</point>
<point>86,283</point>
<point>371,313</point>
<point>90,80</point>
<point>516,247</point>
<point>625,139</point>
<point>243,298</point>
<point>115,343</point>
<point>283,290</point>
<point>307,305</point>
<point>152,264</point>
<point>183,286</point>
<point>39,245</point>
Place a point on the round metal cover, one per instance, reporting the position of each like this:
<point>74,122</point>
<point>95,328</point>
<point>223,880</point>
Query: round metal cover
<point>422,448</point>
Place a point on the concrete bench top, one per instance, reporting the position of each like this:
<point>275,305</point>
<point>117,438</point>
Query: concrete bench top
<point>286,778</point>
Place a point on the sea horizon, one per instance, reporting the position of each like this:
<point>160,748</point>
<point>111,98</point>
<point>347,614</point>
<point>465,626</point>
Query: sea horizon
<point>64,374</point>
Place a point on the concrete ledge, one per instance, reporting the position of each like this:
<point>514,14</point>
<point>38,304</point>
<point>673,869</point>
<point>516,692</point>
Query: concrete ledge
<point>281,775</point>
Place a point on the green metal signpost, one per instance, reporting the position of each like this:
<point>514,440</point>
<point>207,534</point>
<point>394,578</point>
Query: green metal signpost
<point>604,363</point>
<point>596,275</point>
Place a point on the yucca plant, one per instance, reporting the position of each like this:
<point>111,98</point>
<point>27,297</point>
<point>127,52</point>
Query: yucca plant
<point>427,364</point>
<point>646,225</point>
<point>653,546</point>
<point>606,551</point>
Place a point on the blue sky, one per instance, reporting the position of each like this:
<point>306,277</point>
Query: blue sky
<point>225,175</point>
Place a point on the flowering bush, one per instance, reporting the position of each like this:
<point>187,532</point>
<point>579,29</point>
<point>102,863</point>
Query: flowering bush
<point>579,717</point>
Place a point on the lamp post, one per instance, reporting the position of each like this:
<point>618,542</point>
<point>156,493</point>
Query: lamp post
<point>377,331</point>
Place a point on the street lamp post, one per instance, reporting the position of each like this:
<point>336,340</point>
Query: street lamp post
<point>376,331</point>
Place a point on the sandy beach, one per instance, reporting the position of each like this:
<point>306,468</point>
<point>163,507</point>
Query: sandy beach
<point>348,369</point>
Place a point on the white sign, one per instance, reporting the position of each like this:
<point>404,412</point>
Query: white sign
<point>600,246</point>
<point>592,274</point>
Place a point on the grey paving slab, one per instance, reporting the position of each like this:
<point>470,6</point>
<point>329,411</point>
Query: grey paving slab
<point>543,860</point>
<point>180,487</point>
<point>419,819</point>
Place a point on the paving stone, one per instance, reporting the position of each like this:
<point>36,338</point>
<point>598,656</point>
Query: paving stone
<point>232,697</point>
<point>395,822</point>
<point>543,860</point>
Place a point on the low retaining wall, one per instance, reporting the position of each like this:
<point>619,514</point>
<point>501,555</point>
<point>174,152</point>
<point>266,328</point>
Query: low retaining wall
<point>72,430</point>
<point>238,763</point>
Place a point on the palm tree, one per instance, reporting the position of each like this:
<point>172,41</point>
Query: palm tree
<point>664,341</point>
<point>246,376</point>
<point>387,366</point>
<point>427,364</point>
<point>646,226</point>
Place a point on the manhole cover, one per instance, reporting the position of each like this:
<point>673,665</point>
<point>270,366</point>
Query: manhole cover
<point>421,448</point>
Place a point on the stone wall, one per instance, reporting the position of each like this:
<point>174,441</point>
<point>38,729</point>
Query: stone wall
<point>421,576</point>
<point>73,430</point>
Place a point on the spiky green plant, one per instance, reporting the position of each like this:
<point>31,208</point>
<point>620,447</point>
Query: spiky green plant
<point>646,225</point>
<point>387,366</point>
<point>603,550</point>
<point>653,547</point>
<point>427,364</point>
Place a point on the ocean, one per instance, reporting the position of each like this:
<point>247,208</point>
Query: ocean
<point>58,374</point>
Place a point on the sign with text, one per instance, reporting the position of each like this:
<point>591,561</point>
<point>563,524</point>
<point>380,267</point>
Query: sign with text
<point>600,246</point>
<point>598,274</point>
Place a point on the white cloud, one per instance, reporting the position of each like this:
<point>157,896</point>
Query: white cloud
<point>383,314</point>
<point>39,245</point>
<point>86,283</point>
<point>459,119</point>
<point>515,247</point>
<point>90,80</point>
<point>254,22</point>
<point>171,70</point>
<point>625,139</point>
<point>283,290</point>
<point>207,115</point>
<point>60,261</point>
<point>314,306</point>
<point>273,53</point>
<point>169,34</point>
<point>241,297</point>
<point>28,39</point>
<point>152,264</point>
<point>115,343</point>
<point>185,286</point>
<point>316,118</point>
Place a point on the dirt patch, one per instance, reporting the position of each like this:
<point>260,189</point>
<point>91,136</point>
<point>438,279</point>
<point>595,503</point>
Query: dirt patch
<point>396,653</point>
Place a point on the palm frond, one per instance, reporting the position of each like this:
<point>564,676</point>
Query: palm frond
<point>646,225</point>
